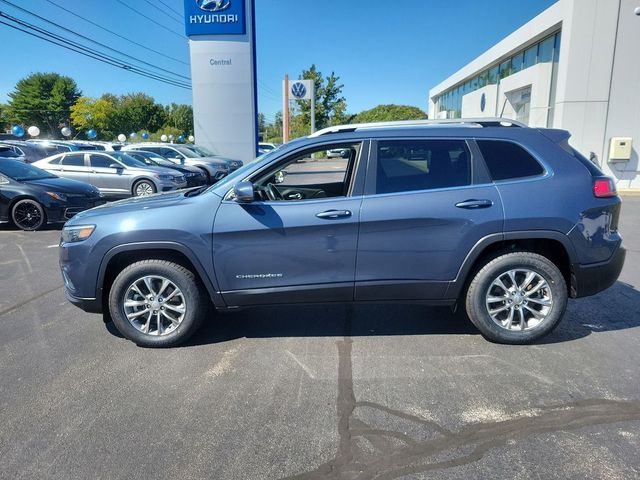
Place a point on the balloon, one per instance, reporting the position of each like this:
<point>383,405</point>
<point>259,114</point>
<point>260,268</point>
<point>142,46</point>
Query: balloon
<point>133,135</point>
<point>66,132</point>
<point>192,138</point>
<point>145,135</point>
<point>17,131</point>
<point>181,138</point>
<point>92,134</point>
<point>33,131</point>
<point>164,138</point>
<point>122,137</point>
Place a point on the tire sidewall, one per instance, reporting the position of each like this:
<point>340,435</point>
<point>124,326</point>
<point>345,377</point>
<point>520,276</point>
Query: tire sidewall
<point>476,297</point>
<point>43,215</point>
<point>182,278</point>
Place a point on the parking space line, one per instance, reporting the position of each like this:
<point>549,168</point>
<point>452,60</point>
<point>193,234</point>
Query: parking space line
<point>26,260</point>
<point>53,246</point>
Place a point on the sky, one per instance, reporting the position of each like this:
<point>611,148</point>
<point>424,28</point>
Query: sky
<point>383,51</point>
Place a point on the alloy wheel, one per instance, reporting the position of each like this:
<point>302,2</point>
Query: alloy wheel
<point>519,299</point>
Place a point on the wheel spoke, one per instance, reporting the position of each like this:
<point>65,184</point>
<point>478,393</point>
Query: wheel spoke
<point>165,284</point>
<point>133,315</point>
<point>174,308</point>
<point>499,309</point>
<point>145,327</point>
<point>523,323</point>
<point>498,282</point>
<point>539,285</point>
<point>173,321</point>
<point>135,303</point>
<point>545,302</point>
<point>497,299</point>
<point>508,323</point>
<point>528,279</point>
<point>512,277</point>
<point>538,315</point>
<point>149,285</point>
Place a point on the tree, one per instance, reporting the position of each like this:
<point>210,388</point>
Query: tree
<point>44,100</point>
<point>389,113</point>
<point>137,111</point>
<point>331,106</point>
<point>88,113</point>
<point>4,117</point>
<point>180,117</point>
<point>272,132</point>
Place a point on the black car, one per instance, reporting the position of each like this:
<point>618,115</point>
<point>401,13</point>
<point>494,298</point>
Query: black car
<point>194,176</point>
<point>29,151</point>
<point>31,198</point>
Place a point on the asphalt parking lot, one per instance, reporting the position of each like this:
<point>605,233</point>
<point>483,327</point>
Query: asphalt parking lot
<point>340,392</point>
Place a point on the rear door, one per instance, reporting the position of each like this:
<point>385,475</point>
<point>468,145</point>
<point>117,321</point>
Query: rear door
<point>427,202</point>
<point>73,166</point>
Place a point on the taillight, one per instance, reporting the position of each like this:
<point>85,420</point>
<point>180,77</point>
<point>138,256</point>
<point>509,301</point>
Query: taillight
<point>604,187</point>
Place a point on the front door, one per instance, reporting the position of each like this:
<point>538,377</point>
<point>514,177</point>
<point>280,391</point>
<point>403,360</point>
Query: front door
<point>73,166</point>
<point>297,241</point>
<point>110,181</point>
<point>426,205</point>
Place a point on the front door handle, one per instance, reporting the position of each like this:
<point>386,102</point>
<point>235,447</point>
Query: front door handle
<point>334,214</point>
<point>473,204</point>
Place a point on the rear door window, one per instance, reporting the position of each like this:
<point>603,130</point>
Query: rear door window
<point>508,160</point>
<point>410,165</point>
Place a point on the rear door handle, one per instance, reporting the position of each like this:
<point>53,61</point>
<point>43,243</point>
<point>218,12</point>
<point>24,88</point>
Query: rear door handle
<point>334,214</point>
<point>473,204</point>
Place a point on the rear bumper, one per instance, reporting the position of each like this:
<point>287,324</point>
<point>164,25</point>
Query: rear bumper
<point>590,279</point>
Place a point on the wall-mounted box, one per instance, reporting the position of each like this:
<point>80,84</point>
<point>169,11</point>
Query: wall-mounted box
<point>620,149</point>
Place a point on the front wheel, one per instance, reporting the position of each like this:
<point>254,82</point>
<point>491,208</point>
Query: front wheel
<point>517,298</point>
<point>144,188</point>
<point>28,215</point>
<point>157,303</point>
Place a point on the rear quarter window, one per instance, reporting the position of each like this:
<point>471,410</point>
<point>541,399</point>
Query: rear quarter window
<point>508,160</point>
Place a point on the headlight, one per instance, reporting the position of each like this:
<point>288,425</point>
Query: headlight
<point>61,197</point>
<point>77,233</point>
<point>165,178</point>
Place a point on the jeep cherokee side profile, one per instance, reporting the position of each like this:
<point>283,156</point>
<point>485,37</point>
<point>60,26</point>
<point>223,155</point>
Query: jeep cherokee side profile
<point>504,220</point>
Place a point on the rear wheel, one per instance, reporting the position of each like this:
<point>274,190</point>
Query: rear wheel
<point>144,188</point>
<point>28,215</point>
<point>157,303</point>
<point>517,298</point>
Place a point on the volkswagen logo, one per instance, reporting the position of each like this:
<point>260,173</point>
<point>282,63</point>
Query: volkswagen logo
<point>213,5</point>
<point>298,90</point>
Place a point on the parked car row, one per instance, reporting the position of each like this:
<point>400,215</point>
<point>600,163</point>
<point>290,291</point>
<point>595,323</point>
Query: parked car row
<point>136,170</point>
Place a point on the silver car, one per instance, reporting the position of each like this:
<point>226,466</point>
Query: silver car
<point>216,168</point>
<point>116,174</point>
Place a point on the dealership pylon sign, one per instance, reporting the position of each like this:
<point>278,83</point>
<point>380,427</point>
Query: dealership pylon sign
<point>298,90</point>
<point>223,75</point>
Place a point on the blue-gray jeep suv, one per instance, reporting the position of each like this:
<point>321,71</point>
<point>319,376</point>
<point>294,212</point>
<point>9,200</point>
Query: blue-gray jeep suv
<point>504,220</point>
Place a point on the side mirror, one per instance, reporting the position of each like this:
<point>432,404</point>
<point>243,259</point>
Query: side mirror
<point>117,166</point>
<point>244,192</point>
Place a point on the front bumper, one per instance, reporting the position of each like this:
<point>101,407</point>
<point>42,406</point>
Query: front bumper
<point>61,212</point>
<point>590,279</point>
<point>89,305</point>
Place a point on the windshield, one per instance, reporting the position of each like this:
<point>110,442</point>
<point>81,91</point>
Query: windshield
<point>22,171</point>
<point>186,151</point>
<point>127,160</point>
<point>202,151</point>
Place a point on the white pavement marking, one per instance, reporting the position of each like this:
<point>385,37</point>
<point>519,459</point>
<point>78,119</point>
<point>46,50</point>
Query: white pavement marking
<point>26,260</point>
<point>53,246</point>
<point>306,369</point>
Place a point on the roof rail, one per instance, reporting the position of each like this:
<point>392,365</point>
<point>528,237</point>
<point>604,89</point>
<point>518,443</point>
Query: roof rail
<point>466,122</point>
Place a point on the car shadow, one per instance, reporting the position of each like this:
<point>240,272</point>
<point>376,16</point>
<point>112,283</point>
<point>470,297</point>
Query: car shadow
<point>613,309</point>
<point>9,227</point>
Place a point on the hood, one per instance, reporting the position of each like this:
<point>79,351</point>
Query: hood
<point>208,160</point>
<point>64,185</point>
<point>133,204</point>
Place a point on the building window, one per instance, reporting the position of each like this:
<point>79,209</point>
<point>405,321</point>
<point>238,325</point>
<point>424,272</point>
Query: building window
<point>530,56</point>
<point>505,69</point>
<point>545,52</point>
<point>516,63</point>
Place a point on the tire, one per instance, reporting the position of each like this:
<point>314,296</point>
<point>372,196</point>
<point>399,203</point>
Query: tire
<point>142,188</point>
<point>28,215</point>
<point>186,307</point>
<point>541,302</point>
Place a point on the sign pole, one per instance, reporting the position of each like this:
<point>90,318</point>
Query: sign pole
<point>313,108</point>
<point>285,110</point>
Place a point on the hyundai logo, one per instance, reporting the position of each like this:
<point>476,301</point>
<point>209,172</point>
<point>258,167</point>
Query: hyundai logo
<point>213,5</point>
<point>298,90</point>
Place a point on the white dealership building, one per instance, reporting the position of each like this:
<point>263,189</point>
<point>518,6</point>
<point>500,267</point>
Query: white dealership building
<point>576,66</point>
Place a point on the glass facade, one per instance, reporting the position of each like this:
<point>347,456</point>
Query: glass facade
<point>546,50</point>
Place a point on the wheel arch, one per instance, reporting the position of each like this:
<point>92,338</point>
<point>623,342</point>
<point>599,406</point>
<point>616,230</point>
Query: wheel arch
<point>553,245</point>
<point>116,259</point>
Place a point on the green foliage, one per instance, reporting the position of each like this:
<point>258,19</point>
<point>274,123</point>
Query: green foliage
<point>331,106</point>
<point>179,117</point>
<point>5,122</point>
<point>389,113</point>
<point>94,113</point>
<point>136,111</point>
<point>272,132</point>
<point>45,100</point>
